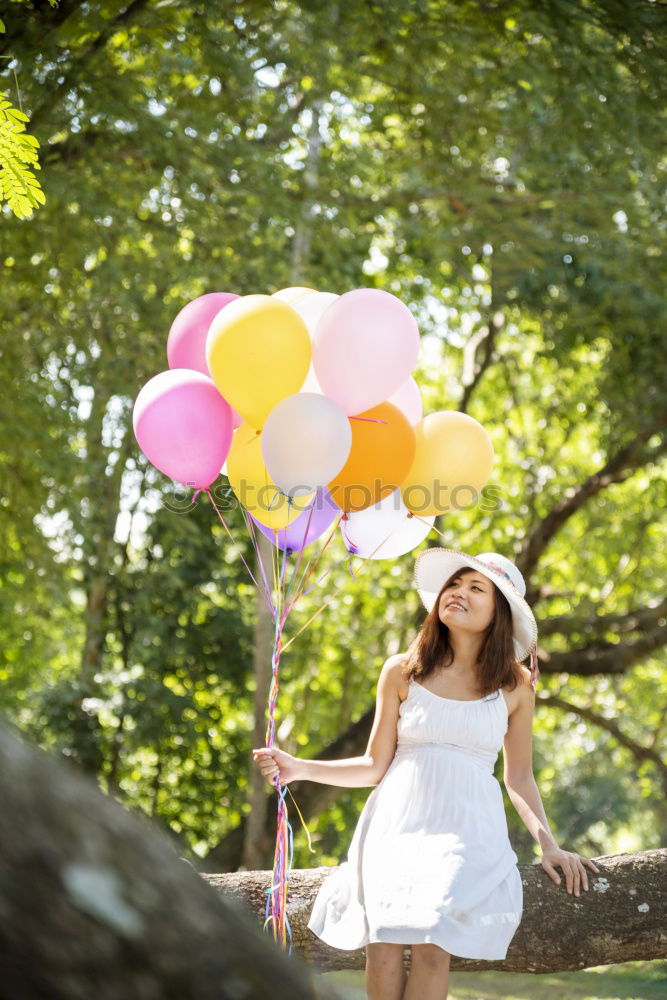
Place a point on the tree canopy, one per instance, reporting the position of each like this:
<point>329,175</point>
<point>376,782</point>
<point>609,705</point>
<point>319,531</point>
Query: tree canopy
<point>499,166</point>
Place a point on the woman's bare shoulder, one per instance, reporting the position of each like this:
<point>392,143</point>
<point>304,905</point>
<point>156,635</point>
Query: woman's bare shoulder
<point>395,666</point>
<point>523,689</point>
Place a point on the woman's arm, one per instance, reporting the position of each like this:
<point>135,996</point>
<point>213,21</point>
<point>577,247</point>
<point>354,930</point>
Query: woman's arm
<point>351,772</point>
<point>518,763</point>
<point>525,796</point>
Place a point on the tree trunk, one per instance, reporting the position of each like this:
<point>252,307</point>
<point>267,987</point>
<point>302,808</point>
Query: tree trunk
<point>96,903</point>
<point>619,919</point>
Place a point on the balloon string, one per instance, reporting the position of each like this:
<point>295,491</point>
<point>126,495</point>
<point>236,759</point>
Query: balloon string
<point>265,596</point>
<point>320,578</point>
<point>370,420</point>
<point>432,527</point>
<point>276,904</point>
<point>295,592</point>
<point>255,542</point>
<point>283,576</point>
<point>275,560</point>
<point>303,545</point>
<point>303,823</point>
<point>277,898</point>
<point>276,901</point>
<point>284,851</point>
<point>331,596</point>
<point>351,547</point>
<point>314,565</point>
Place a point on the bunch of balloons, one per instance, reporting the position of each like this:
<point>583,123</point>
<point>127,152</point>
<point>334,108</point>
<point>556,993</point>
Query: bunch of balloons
<point>309,399</point>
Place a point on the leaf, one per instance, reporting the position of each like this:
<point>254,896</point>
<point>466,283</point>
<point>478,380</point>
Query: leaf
<point>18,116</point>
<point>19,186</point>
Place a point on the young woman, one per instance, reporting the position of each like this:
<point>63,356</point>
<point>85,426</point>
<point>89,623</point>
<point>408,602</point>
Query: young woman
<point>430,863</point>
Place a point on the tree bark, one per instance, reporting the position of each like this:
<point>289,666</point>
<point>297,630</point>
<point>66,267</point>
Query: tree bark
<point>96,903</point>
<point>619,919</point>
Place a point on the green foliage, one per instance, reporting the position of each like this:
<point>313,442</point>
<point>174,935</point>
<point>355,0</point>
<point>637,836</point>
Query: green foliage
<point>501,163</point>
<point>19,186</point>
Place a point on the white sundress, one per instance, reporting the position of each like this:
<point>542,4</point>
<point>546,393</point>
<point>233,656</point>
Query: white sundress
<point>430,860</point>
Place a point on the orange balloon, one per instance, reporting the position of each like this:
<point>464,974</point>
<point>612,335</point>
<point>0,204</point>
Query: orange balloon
<point>383,447</point>
<point>452,463</point>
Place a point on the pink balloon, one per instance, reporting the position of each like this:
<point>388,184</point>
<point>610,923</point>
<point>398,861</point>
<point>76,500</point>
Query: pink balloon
<point>186,343</point>
<point>409,401</point>
<point>364,348</point>
<point>183,426</point>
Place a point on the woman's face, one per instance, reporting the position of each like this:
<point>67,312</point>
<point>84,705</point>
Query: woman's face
<point>467,602</point>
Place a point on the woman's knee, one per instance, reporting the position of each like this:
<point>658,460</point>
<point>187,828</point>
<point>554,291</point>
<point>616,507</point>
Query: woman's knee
<point>431,955</point>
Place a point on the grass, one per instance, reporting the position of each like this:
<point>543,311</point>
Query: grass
<point>627,981</point>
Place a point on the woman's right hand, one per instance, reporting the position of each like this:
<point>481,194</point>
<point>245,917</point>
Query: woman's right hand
<point>276,763</point>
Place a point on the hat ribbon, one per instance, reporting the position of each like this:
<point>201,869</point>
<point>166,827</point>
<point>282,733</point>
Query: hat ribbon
<point>497,569</point>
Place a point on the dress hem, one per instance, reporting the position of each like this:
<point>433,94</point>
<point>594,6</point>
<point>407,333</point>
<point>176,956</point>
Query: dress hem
<point>429,939</point>
<point>426,939</point>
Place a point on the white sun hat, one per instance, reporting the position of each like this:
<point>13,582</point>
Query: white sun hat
<point>435,566</point>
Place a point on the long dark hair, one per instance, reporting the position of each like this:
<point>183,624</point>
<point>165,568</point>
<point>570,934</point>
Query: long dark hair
<point>498,665</point>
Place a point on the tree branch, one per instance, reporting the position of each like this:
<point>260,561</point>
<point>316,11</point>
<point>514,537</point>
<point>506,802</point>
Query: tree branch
<point>630,621</point>
<point>84,59</point>
<point>619,467</point>
<point>640,752</point>
<point>50,20</point>
<point>605,657</point>
<point>473,369</point>
<point>619,919</point>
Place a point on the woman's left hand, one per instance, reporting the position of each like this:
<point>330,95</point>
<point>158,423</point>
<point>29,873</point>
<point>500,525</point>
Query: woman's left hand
<point>572,865</point>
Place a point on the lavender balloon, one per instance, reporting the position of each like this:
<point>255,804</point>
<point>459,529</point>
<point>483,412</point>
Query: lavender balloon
<point>324,510</point>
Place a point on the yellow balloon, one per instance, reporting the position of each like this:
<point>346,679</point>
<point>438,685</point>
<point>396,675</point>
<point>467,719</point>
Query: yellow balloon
<point>258,351</point>
<point>253,485</point>
<point>292,294</point>
<point>452,463</point>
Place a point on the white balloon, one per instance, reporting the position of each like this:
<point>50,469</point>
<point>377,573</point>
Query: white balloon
<point>385,530</point>
<point>408,400</point>
<point>310,308</point>
<point>306,441</point>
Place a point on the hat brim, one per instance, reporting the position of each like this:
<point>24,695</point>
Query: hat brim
<point>434,567</point>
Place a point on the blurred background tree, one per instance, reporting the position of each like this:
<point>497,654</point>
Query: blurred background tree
<point>500,167</point>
